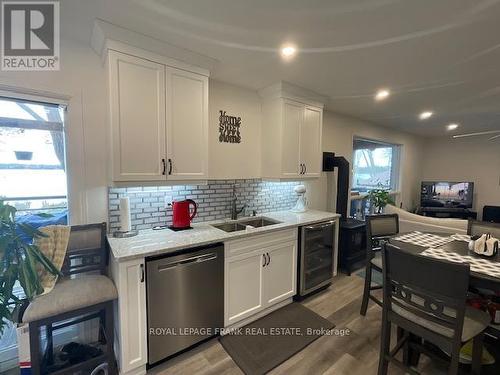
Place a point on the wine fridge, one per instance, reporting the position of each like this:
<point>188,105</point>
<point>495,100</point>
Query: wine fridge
<point>316,256</point>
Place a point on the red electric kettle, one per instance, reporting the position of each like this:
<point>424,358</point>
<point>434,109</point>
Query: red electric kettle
<point>181,217</point>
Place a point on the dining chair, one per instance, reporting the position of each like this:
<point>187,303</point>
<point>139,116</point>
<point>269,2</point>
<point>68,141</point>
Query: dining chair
<point>426,297</point>
<point>85,293</point>
<point>378,229</point>
<point>476,227</point>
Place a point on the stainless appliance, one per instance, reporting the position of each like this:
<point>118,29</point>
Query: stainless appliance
<point>316,256</point>
<point>185,300</point>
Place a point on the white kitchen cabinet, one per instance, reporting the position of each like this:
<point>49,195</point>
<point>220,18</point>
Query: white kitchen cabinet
<point>291,137</point>
<point>293,115</point>
<point>260,272</point>
<point>279,276</point>
<point>243,287</point>
<point>187,125</point>
<point>159,120</point>
<point>310,141</point>
<point>137,100</point>
<point>130,315</point>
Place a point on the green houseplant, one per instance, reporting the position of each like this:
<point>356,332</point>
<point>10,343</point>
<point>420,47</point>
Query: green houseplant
<point>18,263</point>
<point>379,198</point>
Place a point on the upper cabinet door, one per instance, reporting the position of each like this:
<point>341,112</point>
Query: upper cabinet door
<point>293,114</point>
<point>187,125</point>
<point>310,141</point>
<point>137,94</point>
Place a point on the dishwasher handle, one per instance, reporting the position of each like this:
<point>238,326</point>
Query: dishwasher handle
<point>187,261</point>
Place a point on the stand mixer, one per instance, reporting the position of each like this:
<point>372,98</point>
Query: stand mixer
<point>301,205</point>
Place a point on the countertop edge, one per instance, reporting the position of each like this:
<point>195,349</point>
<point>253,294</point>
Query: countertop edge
<point>225,237</point>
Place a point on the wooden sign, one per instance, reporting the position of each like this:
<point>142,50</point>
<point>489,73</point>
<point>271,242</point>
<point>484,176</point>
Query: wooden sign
<point>229,128</point>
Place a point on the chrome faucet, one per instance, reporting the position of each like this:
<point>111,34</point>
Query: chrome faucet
<point>234,210</point>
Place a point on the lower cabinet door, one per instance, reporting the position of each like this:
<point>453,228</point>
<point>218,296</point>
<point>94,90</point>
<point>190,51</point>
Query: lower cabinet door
<point>279,276</point>
<point>243,287</point>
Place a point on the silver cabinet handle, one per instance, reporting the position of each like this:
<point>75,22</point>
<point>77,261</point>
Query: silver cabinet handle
<point>264,259</point>
<point>305,168</point>
<point>268,259</point>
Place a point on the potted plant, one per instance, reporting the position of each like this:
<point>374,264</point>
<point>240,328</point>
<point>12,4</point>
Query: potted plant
<point>18,263</point>
<point>379,198</point>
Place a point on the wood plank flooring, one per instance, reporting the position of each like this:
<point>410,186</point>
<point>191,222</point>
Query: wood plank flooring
<point>348,355</point>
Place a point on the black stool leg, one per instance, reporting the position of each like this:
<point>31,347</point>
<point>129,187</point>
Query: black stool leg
<point>109,328</point>
<point>385,343</point>
<point>36,363</point>
<point>366,291</point>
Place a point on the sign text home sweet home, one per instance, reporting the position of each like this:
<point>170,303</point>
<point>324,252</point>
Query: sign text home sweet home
<point>229,128</point>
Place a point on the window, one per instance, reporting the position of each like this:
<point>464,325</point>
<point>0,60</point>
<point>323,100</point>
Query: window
<point>32,156</point>
<point>32,175</point>
<point>375,165</point>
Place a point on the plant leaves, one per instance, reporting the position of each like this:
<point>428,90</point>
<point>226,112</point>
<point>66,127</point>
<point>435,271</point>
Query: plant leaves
<point>30,231</point>
<point>43,260</point>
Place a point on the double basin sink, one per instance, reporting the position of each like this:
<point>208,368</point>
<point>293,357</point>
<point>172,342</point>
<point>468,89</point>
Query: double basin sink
<point>242,224</point>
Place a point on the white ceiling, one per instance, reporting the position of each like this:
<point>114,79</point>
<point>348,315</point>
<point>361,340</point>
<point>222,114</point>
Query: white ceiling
<point>439,55</point>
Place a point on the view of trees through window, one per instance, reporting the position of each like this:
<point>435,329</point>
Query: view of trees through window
<point>375,165</point>
<point>32,159</point>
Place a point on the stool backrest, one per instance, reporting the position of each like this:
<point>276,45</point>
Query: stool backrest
<point>476,227</point>
<point>86,250</point>
<point>430,289</point>
<point>380,227</point>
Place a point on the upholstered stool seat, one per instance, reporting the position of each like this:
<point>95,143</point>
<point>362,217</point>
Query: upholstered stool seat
<point>71,294</point>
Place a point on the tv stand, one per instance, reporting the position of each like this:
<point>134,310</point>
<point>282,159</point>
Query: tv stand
<point>448,212</point>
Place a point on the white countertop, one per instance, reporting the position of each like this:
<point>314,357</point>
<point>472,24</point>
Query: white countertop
<point>154,242</point>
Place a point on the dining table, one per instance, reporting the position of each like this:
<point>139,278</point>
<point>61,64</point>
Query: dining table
<point>484,271</point>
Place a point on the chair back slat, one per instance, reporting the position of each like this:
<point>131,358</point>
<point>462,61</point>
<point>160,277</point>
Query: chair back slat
<point>476,227</point>
<point>86,250</point>
<point>431,289</point>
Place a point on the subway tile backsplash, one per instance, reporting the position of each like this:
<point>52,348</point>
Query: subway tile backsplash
<point>148,204</point>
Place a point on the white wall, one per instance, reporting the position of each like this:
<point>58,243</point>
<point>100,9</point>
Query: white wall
<point>468,159</point>
<point>234,160</point>
<point>338,134</point>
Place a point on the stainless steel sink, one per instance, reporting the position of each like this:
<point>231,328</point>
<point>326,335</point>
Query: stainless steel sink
<point>229,227</point>
<point>258,222</point>
<point>255,222</point>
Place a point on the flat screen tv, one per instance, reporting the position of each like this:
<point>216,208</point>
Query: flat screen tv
<point>446,194</point>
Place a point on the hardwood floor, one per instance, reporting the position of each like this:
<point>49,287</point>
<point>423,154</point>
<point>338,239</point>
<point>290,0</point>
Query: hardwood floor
<point>354,354</point>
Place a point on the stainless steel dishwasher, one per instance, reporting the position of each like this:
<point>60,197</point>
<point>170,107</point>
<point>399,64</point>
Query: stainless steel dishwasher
<point>185,300</point>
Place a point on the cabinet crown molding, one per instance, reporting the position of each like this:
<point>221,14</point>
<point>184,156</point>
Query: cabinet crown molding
<point>107,36</point>
<point>287,90</point>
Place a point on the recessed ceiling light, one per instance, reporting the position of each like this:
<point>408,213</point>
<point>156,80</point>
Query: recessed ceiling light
<point>425,115</point>
<point>288,51</point>
<point>382,94</point>
<point>452,126</point>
